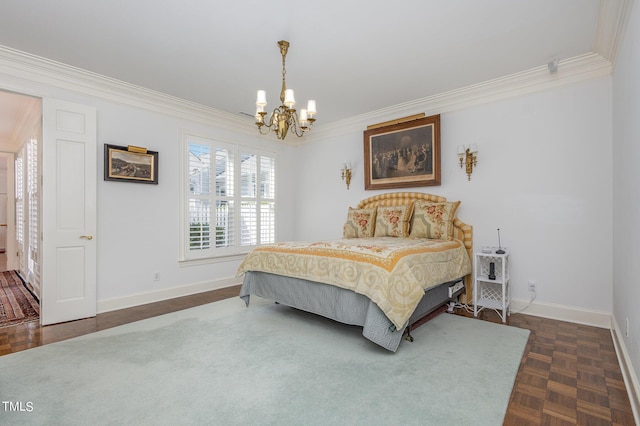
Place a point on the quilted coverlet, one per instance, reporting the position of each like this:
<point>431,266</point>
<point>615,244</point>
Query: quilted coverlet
<point>392,272</point>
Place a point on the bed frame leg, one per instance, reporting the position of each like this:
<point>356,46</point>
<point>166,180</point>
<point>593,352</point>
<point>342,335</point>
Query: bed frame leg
<point>409,337</point>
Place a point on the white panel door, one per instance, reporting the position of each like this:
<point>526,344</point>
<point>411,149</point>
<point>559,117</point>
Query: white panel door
<point>68,212</point>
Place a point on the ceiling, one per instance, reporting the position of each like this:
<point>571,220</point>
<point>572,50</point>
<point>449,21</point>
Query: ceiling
<point>351,57</point>
<point>16,113</point>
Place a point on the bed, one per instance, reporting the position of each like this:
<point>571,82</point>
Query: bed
<point>402,255</point>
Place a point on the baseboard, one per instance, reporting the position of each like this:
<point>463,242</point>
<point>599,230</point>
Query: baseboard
<point>562,313</point>
<point>628,372</point>
<point>116,303</point>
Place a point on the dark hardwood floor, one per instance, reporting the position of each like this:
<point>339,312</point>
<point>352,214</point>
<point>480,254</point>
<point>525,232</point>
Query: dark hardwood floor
<point>29,335</point>
<point>569,373</point>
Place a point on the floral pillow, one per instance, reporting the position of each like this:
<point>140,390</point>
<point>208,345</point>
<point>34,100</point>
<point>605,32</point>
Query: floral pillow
<point>393,221</point>
<point>360,223</point>
<point>433,220</point>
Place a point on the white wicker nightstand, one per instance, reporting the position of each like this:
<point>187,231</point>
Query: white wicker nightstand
<point>492,290</point>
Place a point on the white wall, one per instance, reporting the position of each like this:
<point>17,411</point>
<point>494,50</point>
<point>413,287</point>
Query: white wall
<point>138,224</point>
<point>543,177</point>
<point>626,192</point>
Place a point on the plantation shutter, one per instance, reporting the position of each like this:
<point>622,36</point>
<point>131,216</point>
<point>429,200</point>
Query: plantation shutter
<point>20,217</point>
<point>224,198</point>
<point>249,217</point>
<point>199,197</point>
<point>33,201</point>
<point>230,201</point>
<point>267,200</point>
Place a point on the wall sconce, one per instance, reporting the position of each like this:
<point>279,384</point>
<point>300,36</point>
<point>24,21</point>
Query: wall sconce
<point>468,155</point>
<point>346,173</point>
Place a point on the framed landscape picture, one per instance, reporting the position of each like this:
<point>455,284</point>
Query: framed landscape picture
<point>130,164</point>
<point>403,155</point>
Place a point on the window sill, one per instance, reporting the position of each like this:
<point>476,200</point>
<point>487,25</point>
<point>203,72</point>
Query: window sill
<point>208,260</point>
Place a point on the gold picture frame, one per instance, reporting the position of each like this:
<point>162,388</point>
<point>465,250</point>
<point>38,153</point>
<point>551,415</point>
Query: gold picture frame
<point>130,164</point>
<point>403,155</point>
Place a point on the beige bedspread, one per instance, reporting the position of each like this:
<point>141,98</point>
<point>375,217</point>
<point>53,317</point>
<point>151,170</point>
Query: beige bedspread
<point>392,272</point>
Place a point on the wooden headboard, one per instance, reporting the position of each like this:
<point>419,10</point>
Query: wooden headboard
<point>462,232</point>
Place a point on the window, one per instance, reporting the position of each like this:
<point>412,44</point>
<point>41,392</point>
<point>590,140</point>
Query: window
<point>27,208</point>
<point>33,197</point>
<point>230,202</point>
<point>20,216</point>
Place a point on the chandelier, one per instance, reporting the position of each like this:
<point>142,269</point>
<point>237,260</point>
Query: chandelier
<point>285,116</point>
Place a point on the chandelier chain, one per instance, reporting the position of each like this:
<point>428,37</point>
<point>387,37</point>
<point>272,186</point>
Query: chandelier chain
<point>285,117</point>
<point>284,74</point>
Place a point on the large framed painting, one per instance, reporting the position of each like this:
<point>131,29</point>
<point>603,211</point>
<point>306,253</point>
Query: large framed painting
<point>130,164</point>
<point>403,155</point>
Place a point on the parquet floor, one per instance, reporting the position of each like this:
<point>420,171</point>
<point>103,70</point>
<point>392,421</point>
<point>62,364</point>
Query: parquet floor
<point>569,373</point>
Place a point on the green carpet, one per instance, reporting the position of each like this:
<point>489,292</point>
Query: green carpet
<point>224,364</point>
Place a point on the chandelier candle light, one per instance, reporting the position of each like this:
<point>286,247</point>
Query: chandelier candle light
<point>285,116</point>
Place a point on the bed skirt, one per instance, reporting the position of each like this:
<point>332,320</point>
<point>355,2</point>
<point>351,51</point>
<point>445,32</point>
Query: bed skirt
<point>340,304</point>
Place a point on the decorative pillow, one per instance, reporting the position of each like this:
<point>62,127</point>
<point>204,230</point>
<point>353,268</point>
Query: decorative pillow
<point>360,223</point>
<point>393,221</point>
<point>433,220</point>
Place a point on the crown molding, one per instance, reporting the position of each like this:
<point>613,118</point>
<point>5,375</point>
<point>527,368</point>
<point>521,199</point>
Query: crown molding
<point>610,28</point>
<point>570,71</point>
<point>22,65</point>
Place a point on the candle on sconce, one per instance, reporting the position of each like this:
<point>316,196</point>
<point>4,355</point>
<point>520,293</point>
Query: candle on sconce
<point>345,173</point>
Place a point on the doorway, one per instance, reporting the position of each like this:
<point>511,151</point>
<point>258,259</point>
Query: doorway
<point>20,130</point>
<point>55,249</point>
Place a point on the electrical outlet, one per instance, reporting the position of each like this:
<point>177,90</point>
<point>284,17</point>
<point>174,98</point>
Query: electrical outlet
<point>156,276</point>
<point>532,285</point>
<point>626,332</point>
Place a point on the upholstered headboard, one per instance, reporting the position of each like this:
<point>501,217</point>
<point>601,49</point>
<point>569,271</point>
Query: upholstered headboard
<point>462,232</point>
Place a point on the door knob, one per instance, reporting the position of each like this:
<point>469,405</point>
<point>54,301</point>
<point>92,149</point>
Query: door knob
<point>88,237</point>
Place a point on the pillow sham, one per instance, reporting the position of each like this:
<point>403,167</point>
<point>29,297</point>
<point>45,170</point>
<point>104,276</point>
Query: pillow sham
<point>360,223</point>
<point>393,221</point>
<point>433,220</point>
